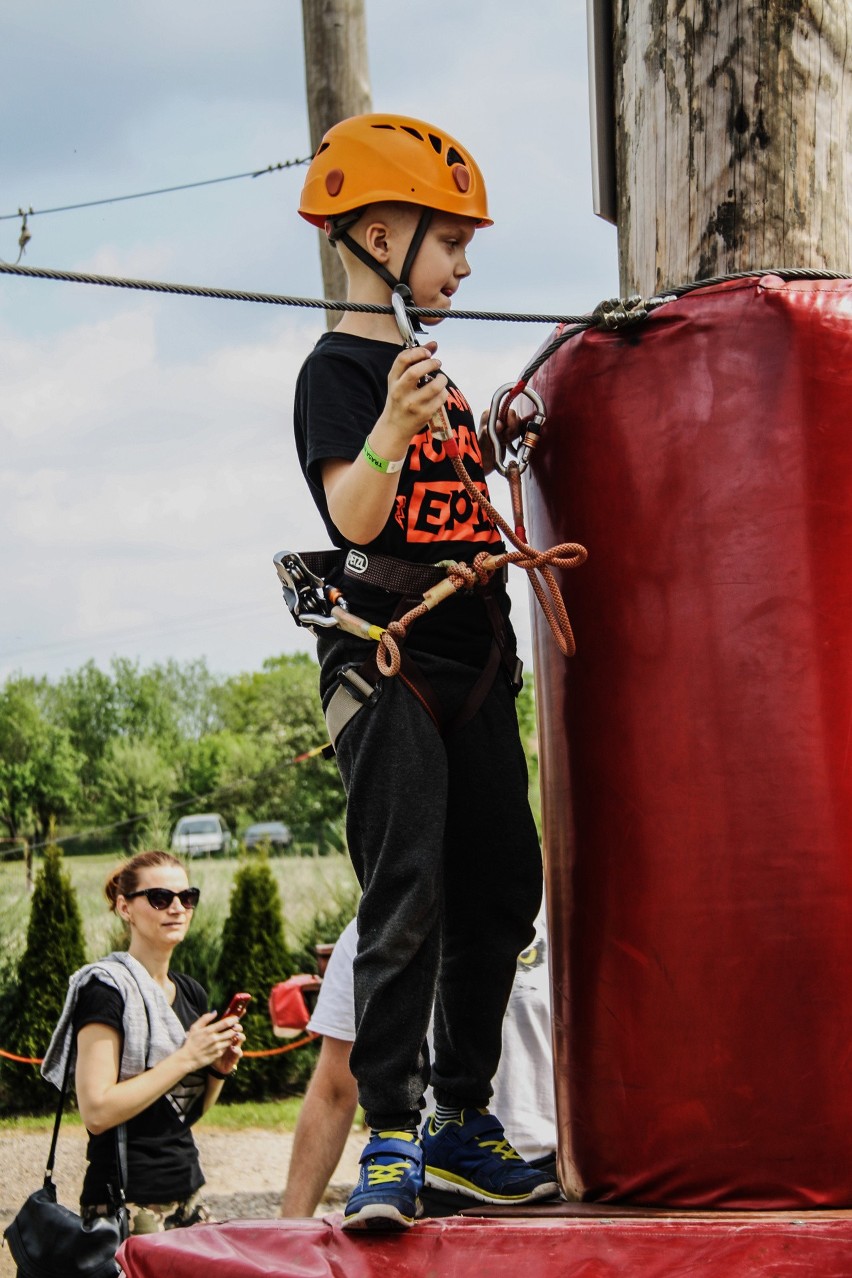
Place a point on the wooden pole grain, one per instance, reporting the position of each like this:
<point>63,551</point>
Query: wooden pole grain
<point>337,80</point>
<point>733,137</point>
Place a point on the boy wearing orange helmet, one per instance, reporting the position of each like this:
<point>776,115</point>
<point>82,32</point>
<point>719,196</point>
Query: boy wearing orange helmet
<point>438,824</point>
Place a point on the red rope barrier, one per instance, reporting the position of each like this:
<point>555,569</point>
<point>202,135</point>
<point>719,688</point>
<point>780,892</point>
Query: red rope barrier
<point>288,1047</point>
<point>269,1051</point>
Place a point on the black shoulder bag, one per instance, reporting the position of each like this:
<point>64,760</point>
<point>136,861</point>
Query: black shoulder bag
<point>48,1240</point>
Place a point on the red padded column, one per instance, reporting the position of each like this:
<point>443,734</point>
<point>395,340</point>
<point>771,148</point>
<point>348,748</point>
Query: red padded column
<point>697,752</point>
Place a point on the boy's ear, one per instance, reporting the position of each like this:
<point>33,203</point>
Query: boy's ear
<point>377,240</point>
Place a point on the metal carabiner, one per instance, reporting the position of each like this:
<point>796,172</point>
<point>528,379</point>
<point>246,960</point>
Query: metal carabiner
<point>440,423</point>
<point>304,593</point>
<point>532,429</point>
<point>403,319</point>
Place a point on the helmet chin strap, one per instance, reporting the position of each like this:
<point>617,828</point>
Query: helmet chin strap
<point>340,234</point>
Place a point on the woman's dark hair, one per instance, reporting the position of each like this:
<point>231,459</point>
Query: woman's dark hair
<point>125,878</point>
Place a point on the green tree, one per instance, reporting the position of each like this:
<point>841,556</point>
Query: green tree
<point>165,703</point>
<point>219,771</point>
<point>254,957</point>
<point>84,703</point>
<point>54,949</point>
<point>55,793</point>
<point>39,768</point>
<point>133,780</point>
<point>279,707</point>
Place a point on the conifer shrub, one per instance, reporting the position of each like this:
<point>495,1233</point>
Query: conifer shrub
<point>325,926</point>
<point>54,949</point>
<point>199,952</point>
<point>254,957</point>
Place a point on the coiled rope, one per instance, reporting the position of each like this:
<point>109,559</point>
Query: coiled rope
<point>538,565</point>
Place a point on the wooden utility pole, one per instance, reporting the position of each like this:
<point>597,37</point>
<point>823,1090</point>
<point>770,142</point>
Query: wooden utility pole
<point>337,77</point>
<point>733,137</point>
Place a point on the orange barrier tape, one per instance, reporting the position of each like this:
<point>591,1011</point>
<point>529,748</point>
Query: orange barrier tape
<point>288,1047</point>
<point>310,754</point>
<point>269,1051</point>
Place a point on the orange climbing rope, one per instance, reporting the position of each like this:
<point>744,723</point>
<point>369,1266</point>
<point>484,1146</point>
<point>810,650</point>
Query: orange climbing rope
<point>268,1051</point>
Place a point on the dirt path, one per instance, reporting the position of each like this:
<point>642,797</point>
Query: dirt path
<point>245,1172</point>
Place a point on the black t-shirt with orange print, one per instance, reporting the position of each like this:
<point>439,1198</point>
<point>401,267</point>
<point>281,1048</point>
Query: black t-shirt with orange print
<point>340,394</point>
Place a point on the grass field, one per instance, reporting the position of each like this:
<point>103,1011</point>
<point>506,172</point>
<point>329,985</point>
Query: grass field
<point>306,885</point>
<point>274,1115</point>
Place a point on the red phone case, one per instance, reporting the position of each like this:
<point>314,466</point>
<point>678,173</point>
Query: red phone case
<point>238,1005</point>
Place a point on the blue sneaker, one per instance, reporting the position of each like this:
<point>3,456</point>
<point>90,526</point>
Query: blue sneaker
<point>473,1157</point>
<point>388,1189</point>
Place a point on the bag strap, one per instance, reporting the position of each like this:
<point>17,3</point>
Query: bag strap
<point>51,1157</point>
<point>120,1165</point>
<point>120,1138</point>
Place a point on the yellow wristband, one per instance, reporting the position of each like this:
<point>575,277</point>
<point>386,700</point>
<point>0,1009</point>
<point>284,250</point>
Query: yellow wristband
<point>380,463</point>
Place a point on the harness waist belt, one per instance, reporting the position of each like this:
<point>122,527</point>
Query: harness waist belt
<point>397,576</point>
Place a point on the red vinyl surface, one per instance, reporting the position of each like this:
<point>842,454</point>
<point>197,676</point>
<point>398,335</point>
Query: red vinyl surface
<point>697,752</point>
<point>465,1248</point>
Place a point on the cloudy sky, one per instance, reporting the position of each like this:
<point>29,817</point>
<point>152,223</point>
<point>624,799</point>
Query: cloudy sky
<point>147,471</point>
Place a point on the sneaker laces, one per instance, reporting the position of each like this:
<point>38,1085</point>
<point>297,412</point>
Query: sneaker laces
<point>501,1148</point>
<point>386,1173</point>
<point>388,1169</point>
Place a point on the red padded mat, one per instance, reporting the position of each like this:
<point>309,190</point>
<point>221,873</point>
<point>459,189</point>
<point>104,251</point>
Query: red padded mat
<point>468,1248</point>
<point>697,752</point>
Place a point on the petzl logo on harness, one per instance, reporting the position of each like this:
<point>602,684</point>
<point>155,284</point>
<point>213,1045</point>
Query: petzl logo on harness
<point>357,561</point>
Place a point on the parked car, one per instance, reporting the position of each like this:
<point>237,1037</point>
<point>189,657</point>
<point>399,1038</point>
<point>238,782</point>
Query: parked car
<point>202,834</point>
<point>275,833</point>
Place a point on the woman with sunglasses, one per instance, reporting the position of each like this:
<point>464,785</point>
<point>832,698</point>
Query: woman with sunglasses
<point>149,1054</point>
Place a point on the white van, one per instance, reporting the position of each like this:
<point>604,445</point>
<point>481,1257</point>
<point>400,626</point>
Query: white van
<point>202,834</point>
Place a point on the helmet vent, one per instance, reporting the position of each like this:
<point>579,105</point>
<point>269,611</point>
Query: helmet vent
<point>383,126</point>
<point>407,129</point>
<point>334,181</point>
<point>453,157</point>
<point>437,144</point>
<point>323,146</point>
<point>461,177</point>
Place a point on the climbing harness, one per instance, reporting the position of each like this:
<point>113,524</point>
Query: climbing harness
<point>318,606</point>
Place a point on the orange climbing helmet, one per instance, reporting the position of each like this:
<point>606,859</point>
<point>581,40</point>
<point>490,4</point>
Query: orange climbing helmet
<point>371,158</point>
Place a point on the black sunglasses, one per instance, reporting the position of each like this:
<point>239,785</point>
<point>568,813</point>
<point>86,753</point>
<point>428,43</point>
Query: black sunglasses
<point>161,898</point>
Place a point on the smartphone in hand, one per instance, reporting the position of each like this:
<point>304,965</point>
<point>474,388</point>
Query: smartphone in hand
<point>238,1005</point>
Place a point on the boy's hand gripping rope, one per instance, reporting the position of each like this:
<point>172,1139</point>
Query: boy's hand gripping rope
<point>538,564</point>
<point>461,576</point>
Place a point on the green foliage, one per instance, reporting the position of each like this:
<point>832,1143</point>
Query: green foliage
<point>329,920</point>
<point>154,832</point>
<point>225,765</point>
<point>254,957</point>
<point>133,780</point>
<point>279,708</point>
<point>149,703</point>
<point>200,951</point>
<point>39,768</point>
<point>54,949</point>
<point>84,703</point>
<point>107,747</point>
